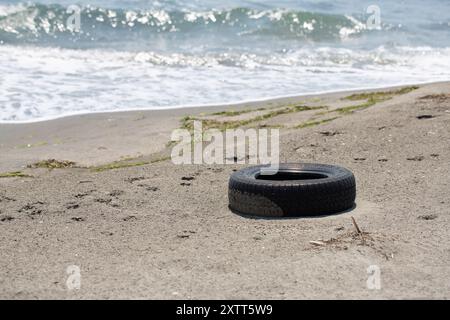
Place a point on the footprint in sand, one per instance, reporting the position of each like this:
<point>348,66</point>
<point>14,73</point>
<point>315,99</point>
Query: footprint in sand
<point>32,209</point>
<point>6,218</point>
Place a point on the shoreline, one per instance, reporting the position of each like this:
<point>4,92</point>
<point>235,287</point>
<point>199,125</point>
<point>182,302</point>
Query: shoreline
<point>238,104</point>
<point>101,138</point>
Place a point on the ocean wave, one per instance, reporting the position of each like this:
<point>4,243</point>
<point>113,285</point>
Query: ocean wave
<point>305,57</point>
<point>33,23</point>
<point>40,83</point>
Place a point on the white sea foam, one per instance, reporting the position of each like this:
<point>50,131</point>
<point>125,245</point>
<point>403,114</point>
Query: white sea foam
<point>10,9</point>
<point>41,83</point>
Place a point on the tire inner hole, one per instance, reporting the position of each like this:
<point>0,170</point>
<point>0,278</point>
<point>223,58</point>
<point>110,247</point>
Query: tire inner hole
<point>291,175</point>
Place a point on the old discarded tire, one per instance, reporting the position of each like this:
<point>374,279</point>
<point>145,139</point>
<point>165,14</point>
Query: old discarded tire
<point>301,189</point>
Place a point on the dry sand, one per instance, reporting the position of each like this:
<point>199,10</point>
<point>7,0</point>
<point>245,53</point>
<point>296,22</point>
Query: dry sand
<point>164,231</point>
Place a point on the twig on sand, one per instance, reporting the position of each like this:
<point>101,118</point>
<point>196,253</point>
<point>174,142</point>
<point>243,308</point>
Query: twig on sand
<point>356,225</point>
<point>317,243</point>
<point>358,230</point>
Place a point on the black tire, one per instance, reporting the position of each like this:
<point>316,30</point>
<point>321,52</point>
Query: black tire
<point>301,189</point>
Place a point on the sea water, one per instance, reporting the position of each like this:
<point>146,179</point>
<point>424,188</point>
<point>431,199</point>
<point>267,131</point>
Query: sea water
<point>128,55</point>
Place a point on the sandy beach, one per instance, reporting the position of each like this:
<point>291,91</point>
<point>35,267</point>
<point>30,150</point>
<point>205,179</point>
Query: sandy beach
<point>139,226</point>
